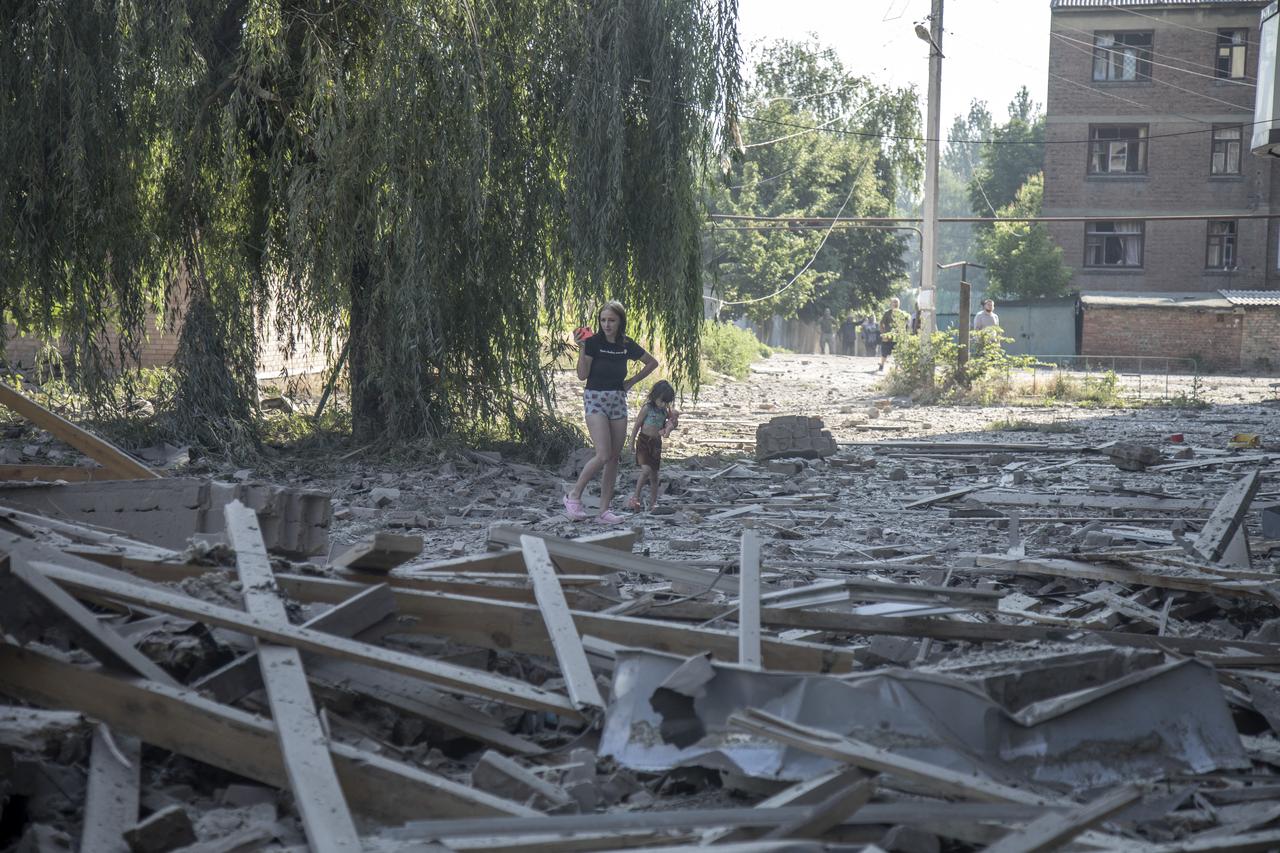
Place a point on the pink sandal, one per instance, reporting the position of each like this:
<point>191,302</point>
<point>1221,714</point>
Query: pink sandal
<point>573,508</point>
<point>633,504</point>
<point>609,517</point>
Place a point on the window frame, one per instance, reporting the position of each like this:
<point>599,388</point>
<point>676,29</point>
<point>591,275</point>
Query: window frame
<point>1141,141</point>
<point>1142,60</point>
<point>1090,232</point>
<point>1214,142</point>
<point>1231,47</point>
<point>1226,242</point>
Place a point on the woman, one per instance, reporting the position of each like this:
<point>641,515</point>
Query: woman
<point>602,363</point>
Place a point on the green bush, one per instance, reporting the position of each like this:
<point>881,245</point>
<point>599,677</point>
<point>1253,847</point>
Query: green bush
<point>932,372</point>
<point>728,349</point>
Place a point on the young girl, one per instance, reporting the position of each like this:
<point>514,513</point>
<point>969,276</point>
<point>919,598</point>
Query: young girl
<point>655,422</point>
<point>602,362</point>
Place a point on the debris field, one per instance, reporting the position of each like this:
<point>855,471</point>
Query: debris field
<point>1012,642</point>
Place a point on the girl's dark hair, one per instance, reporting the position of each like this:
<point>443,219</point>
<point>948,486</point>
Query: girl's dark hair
<point>661,390</point>
<point>616,307</point>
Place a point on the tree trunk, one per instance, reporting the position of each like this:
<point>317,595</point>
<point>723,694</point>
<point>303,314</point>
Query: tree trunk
<point>367,417</point>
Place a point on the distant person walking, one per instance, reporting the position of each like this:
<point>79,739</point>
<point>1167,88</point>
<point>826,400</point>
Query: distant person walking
<point>849,334</point>
<point>987,317</point>
<point>827,326</point>
<point>603,361</point>
<point>870,336</point>
<point>895,325</point>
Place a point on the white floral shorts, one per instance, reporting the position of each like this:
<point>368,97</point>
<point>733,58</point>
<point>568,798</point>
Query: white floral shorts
<point>611,404</point>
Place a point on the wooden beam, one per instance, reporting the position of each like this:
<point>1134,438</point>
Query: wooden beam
<point>565,639</point>
<point>510,626</point>
<point>1044,500</point>
<point>610,558</point>
<point>948,629</point>
<point>52,474</point>
<point>379,553</point>
<point>184,722</point>
<point>511,560</point>
<point>113,459</point>
<point>458,679</point>
<point>940,780</point>
<point>1216,535</point>
<point>112,791</point>
<point>1215,585</point>
<point>812,791</point>
<point>749,601</point>
<point>304,744</point>
<point>1055,829</point>
<point>828,814</point>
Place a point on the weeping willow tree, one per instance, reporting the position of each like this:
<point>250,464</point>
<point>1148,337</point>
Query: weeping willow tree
<point>430,183</point>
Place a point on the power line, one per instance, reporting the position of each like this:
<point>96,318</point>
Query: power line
<point>1092,48</point>
<point>1170,85</point>
<point>825,220</point>
<point>852,186</point>
<point>1161,54</point>
<point>1113,7</point>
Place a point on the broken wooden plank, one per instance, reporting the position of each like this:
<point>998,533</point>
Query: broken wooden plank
<point>1053,830</point>
<point>749,601</point>
<point>828,814</point>
<point>813,791</point>
<point>326,820</point>
<point>931,777</point>
<point>112,792</point>
<point>511,560</point>
<point>114,460</point>
<point>947,629</point>
<point>507,626</point>
<point>617,560</point>
<point>53,473</point>
<point>379,553</point>
<point>1045,499</point>
<point>1223,524</point>
<point>1098,572</point>
<point>184,722</point>
<point>458,679</point>
<point>945,496</point>
<point>565,639</point>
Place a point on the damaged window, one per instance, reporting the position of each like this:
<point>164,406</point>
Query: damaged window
<point>1122,57</point>
<point>1221,251</point>
<point>1113,244</point>
<point>1117,149</point>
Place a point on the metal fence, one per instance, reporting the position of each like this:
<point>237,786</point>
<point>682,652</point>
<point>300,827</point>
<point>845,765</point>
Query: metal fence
<point>1137,376</point>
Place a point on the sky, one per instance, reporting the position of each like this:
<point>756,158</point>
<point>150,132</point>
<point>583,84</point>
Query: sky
<point>992,47</point>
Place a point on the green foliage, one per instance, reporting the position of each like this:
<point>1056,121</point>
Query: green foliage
<point>419,177</point>
<point>730,350</point>
<point>1022,425</point>
<point>1102,391</point>
<point>788,173</point>
<point>1022,260</point>
<point>931,371</point>
<point>1017,154</point>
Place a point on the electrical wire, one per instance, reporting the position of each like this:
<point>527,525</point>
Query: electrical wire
<point>1114,8</point>
<point>1090,48</point>
<point>853,187</point>
<point>1156,53</point>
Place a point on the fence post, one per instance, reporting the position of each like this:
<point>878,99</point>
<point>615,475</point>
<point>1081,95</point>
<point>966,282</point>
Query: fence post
<point>962,357</point>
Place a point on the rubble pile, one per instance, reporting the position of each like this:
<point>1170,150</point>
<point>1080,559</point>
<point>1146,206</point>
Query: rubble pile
<point>909,645</point>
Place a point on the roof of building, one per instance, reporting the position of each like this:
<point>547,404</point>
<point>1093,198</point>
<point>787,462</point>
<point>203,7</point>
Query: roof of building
<point>1251,297</point>
<point>1139,4</point>
<point>1154,300</point>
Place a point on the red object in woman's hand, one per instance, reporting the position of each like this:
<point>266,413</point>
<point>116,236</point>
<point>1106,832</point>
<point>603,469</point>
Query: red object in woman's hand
<point>583,333</point>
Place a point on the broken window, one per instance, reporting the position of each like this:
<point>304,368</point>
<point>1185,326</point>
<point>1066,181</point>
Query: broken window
<point>1113,244</point>
<point>1221,251</point>
<point>1233,46</point>
<point>1117,149</point>
<point>1122,56</point>
<point>1226,150</point>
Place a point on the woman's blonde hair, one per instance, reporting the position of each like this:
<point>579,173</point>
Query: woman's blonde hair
<point>616,307</point>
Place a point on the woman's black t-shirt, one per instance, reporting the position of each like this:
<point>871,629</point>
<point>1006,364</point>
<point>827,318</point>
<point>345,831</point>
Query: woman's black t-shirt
<point>609,361</point>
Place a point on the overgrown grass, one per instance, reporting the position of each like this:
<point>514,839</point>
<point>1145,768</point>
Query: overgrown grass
<point>1102,391</point>
<point>1020,425</point>
<point>931,373</point>
<point>729,350</point>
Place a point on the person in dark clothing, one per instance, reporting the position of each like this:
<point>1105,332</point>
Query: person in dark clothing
<point>848,334</point>
<point>827,326</point>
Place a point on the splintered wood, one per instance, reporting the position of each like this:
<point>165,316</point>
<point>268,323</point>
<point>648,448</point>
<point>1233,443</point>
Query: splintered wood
<point>906,645</point>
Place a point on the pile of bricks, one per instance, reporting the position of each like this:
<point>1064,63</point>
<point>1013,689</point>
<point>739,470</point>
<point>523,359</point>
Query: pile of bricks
<point>793,436</point>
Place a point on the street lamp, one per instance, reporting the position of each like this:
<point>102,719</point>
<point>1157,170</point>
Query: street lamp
<point>928,299</point>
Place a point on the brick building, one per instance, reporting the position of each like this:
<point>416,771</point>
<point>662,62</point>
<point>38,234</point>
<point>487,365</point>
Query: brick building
<point>1149,109</point>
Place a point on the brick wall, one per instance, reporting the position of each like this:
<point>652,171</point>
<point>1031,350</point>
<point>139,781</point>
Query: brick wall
<point>1260,346</point>
<point>1211,336</point>
<point>1176,107</point>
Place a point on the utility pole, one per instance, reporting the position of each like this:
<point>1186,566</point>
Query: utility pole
<point>928,299</point>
